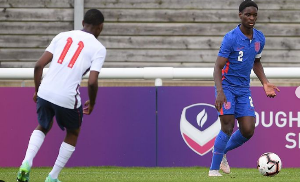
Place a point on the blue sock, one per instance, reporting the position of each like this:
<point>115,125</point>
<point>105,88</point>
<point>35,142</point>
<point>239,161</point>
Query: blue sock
<point>236,140</point>
<point>219,147</point>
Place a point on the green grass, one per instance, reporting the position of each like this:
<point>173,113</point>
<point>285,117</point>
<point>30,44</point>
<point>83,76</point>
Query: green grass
<point>136,174</point>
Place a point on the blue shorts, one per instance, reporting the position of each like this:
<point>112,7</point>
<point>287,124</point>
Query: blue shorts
<point>66,118</point>
<point>239,102</point>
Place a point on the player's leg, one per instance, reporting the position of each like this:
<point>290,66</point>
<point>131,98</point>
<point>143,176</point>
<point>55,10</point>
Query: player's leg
<point>65,152</point>
<point>45,118</point>
<point>35,142</point>
<point>243,134</point>
<point>238,138</point>
<point>227,124</point>
<point>224,165</point>
<point>227,119</point>
<point>247,126</point>
<point>71,120</point>
<point>246,117</point>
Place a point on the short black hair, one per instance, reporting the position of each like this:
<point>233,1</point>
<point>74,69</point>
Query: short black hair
<point>247,3</point>
<point>93,17</point>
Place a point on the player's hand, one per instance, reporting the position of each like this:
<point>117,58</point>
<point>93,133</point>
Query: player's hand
<point>88,108</point>
<point>270,90</point>
<point>220,100</point>
<point>35,97</point>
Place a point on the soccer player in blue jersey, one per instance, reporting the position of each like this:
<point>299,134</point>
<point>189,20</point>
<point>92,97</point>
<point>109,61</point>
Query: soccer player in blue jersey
<point>240,52</point>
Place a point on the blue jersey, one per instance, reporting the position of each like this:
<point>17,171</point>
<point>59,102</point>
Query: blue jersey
<point>241,53</point>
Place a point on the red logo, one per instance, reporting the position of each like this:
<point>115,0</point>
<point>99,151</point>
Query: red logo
<point>257,46</point>
<point>227,105</point>
<point>240,48</point>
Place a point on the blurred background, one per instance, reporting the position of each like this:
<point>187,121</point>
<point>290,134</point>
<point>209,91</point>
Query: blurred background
<point>149,33</point>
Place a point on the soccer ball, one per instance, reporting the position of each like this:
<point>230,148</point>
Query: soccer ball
<point>269,164</point>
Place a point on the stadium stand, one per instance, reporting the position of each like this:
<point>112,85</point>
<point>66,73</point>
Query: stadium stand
<point>153,33</point>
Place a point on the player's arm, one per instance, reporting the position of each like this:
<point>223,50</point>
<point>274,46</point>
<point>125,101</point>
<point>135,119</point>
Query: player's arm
<point>259,71</point>
<point>219,65</point>
<point>38,70</point>
<point>92,91</point>
<point>97,62</point>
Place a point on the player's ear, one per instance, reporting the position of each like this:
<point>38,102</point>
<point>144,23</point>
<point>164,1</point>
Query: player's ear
<point>82,23</point>
<point>240,15</point>
<point>100,28</point>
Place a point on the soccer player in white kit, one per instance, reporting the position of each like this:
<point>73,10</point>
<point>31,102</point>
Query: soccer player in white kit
<point>72,54</point>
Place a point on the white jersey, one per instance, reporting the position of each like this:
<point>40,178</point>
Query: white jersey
<point>74,53</point>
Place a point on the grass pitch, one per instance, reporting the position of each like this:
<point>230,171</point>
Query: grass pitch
<point>139,174</point>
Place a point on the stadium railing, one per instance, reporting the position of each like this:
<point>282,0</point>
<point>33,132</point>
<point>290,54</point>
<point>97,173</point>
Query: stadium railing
<point>154,73</point>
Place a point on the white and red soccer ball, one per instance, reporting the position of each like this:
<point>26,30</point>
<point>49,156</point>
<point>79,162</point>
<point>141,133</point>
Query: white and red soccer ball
<point>269,164</point>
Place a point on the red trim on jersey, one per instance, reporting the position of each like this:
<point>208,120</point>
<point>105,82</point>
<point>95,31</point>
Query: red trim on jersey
<point>221,111</point>
<point>225,70</point>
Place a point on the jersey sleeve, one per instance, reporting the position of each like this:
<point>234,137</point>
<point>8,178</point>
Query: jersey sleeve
<point>226,47</point>
<point>98,60</point>
<point>51,46</point>
<point>262,45</point>
<point>263,42</point>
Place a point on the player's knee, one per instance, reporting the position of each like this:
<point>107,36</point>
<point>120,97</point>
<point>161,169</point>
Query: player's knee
<point>73,133</point>
<point>227,130</point>
<point>248,133</point>
<point>44,130</point>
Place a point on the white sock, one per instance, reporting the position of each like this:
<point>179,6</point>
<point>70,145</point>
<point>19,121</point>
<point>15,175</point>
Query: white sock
<point>35,143</point>
<point>65,153</point>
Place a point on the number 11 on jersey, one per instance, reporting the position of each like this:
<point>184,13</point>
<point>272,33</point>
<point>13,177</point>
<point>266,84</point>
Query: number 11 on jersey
<point>66,49</point>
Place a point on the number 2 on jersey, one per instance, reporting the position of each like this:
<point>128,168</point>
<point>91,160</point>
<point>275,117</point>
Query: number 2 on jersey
<point>251,101</point>
<point>241,54</point>
<point>66,49</point>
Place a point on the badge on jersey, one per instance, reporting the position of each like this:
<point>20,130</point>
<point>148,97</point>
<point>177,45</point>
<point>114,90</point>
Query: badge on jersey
<point>257,46</point>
